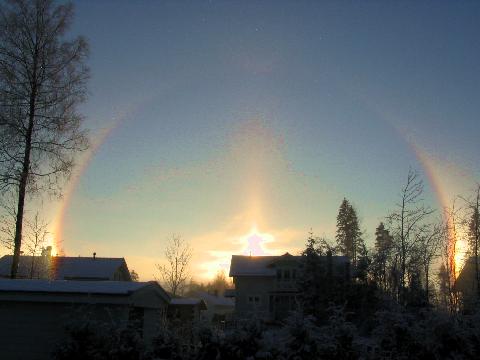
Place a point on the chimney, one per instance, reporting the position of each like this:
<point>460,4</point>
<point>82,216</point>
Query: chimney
<point>94,255</point>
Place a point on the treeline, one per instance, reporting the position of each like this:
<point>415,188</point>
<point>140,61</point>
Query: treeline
<point>416,257</point>
<point>216,286</point>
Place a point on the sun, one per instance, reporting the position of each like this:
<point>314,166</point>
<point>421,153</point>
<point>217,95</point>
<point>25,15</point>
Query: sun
<point>254,242</point>
<point>50,241</point>
<point>461,250</point>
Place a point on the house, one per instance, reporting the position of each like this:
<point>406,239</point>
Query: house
<point>186,310</point>
<point>219,308</point>
<point>35,313</point>
<point>266,286</point>
<point>466,284</point>
<point>66,268</point>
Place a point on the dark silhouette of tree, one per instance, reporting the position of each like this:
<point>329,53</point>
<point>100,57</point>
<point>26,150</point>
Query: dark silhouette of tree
<point>216,286</point>
<point>383,256</point>
<point>36,238</point>
<point>444,289</point>
<point>448,270</point>
<point>323,281</point>
<point>428,241</point>
<point>8,218</point>
<point>474,234</point>
<point>311,277</point>
<point>176,272</point>
<point>348,236</point>
<point>134,275</point>
<point>42,80</point>
<point>405,222</point>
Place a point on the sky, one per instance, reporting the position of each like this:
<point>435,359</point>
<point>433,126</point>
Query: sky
<point>241,125</point>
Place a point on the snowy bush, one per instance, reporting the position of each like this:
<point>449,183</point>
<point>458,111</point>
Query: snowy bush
<point>242,342</point>
<point>425,335</point>
<point>166,345</point>
<point>301,337</point>
<point>99,341</point>
<point>396,332</point>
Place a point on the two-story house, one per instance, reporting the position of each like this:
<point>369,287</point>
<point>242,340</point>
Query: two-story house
<point>266,287</point>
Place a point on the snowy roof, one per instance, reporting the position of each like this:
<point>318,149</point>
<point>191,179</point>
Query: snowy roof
<point>215,300</point>
<point>251,265</point>
<point>189,301</point>
<point>72,286</point>
<point>64,267</point>
<point>242,265</point>
<point>185,301</point>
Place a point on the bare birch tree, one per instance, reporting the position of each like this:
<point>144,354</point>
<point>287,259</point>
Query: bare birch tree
<point>448,271</point>
<point>428,245</point>
<point>175,273</point>
<point>8,218</point>
<point>42,80</point>
<point>37,232</point>
<point>405,222</point>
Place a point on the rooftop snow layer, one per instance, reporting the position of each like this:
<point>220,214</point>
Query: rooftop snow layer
<point>64,267</point>
<point>71,286</point>
<point>215,300</point>
<point>185,301</point>
<point>243,265</point>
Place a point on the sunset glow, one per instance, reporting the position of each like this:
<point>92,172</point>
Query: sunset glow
<point>255,241</point>
<point>461,250</point>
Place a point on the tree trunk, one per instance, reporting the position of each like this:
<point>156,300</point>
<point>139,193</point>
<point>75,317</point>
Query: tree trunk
<point>22,187</point>
<point>427,291</point>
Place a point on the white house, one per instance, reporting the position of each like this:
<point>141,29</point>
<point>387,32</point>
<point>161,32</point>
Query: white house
<point>266,286</point>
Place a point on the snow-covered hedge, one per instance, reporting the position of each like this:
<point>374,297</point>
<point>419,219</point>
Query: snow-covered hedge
<point>395,333</point>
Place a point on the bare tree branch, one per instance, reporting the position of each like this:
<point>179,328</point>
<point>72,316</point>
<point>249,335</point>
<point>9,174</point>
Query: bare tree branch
<point>175,273</point>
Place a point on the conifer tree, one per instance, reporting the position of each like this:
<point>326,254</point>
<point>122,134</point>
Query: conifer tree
<point>308,283</point>
<point>348,236</point>
<point>383,248</point>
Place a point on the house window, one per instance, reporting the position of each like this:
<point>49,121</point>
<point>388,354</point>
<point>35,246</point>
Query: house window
<point>294,273</point>
<point>254,299</point>
<point>286,275</point>
<point>279,274</point>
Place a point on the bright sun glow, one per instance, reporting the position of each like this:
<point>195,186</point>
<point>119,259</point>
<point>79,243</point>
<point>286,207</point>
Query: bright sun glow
<point>50,241</point>
<point>460,255</point>
<point>254,243</point>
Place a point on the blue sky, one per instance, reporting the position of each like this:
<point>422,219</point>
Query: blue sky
<point>231,114</point>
